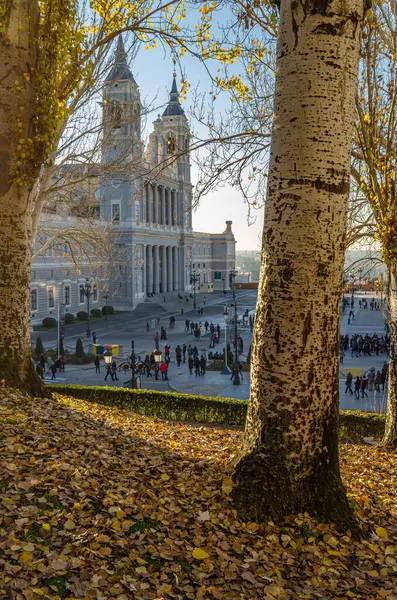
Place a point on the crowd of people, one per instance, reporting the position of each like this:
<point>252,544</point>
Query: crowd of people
<point>50,366</point>
<point>365,345</point>
<point>373,381</point>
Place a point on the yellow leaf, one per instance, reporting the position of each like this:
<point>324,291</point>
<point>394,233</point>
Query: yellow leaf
<point>120,514</point>
<point>199,554</point>
<point>26,557</point>
<point>32,460</point>
<point>28,547</point>
<point>46,526</point>
<point>227,486</point>
<point>381,532</point>
<point>69,525</point>
<point>165,477</point>
<point>141,570</point>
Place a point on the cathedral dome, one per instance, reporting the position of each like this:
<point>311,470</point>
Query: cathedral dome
<point>174,109</point>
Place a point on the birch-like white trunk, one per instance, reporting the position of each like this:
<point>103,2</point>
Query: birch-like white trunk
<point>390,437</point>
<point>17,64</point>
<point>289,460</point>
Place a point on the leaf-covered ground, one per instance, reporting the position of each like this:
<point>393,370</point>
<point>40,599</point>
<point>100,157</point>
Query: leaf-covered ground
<point>101,503</point>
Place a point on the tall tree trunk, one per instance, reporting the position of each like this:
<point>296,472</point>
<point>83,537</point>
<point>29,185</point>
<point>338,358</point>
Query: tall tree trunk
<point>390,437</point>
<point>289,459</point>
<point>18,39</point>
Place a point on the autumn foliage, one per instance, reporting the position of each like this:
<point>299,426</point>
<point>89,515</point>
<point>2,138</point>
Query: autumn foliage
<point>97,502</point>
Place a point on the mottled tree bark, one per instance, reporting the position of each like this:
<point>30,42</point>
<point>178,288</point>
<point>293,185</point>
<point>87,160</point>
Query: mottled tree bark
<point>390,437</point>
<point>289,459</point>
<point>18,37</point>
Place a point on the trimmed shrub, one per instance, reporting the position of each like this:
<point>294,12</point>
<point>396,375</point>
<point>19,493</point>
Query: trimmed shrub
<point>82,315</point>
<point>39,349</point>
<point>96,312</point>
<point>79,349</point>
<point>199,409</point>
<point>50,322</point>
<point>69,318</point>
<point>110,310</point>
<point>217,365</point>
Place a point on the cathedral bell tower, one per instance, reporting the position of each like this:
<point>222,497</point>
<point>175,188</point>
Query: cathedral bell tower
<point>121,114</point>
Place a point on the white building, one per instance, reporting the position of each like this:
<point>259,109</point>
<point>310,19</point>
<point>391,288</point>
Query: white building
<point>148,206</point>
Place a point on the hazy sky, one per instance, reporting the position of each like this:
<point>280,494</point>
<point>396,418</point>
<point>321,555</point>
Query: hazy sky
<point>153,73</point>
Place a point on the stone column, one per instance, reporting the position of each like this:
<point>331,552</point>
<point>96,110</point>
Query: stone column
<point>170,275</point>
<point>144,204</point>
<point>174,208</point>
<point>169,194</point>
<point>150,203</point>
<point>144,269</point>
<point>163,269</point>
<point>163,212</point>
<point>176,268</point>
<point>182,270</point>
<point>156,270</point>
<point>149,269</point>
<point>156,204</point>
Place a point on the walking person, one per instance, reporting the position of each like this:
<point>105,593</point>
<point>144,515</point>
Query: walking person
<point>196,365</point>
<point>156,340</point>
<point>378,381</point>
<point>349,381</point>
<point>178,355</point>
<point>163,370</point>
<point>363,386</point>
<point>190,364</point>
<point>203,364</point>
<point>97,364</point>
<point>114,370</point>
<point>109,372</point>
<point>357,384</point>
<point>53,370</point>
<point>184,352</point>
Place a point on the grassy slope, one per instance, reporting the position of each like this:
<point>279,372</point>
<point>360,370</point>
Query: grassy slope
<point>96,502</point>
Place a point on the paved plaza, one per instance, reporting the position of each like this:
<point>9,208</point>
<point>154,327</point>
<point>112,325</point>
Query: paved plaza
<point>122,329</point>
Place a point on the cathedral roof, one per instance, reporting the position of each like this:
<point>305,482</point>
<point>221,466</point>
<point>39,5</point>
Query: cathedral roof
<point>120,70</point>
<point>174,107</point>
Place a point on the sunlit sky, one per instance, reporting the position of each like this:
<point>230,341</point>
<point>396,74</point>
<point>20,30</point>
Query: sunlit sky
<point>152,71</point>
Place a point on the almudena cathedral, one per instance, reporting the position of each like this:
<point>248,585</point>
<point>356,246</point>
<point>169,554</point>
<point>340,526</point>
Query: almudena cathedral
<point>148,209</point>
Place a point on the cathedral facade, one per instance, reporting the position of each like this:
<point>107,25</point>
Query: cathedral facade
<point>144,198</point>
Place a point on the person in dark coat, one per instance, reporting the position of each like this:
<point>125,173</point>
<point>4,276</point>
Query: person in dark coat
<point>190,364</point>
<point>357,387</point>
<point>203,364</point>
<point>349,381</point>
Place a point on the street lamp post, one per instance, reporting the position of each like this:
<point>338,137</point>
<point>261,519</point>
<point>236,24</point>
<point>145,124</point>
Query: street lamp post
<point>133,383</point>
<point>88,293</point>
<point>225,370</point>
<point>236,374</point>
<point>194,277</point>
<point>105,297</point>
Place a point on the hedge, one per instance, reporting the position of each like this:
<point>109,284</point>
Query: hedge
<point>110,310</point>
<point>50,322</point>
<point>69,318</point>
<point>199,409</point>
<point>82,315</point>
<point>96,312</point>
